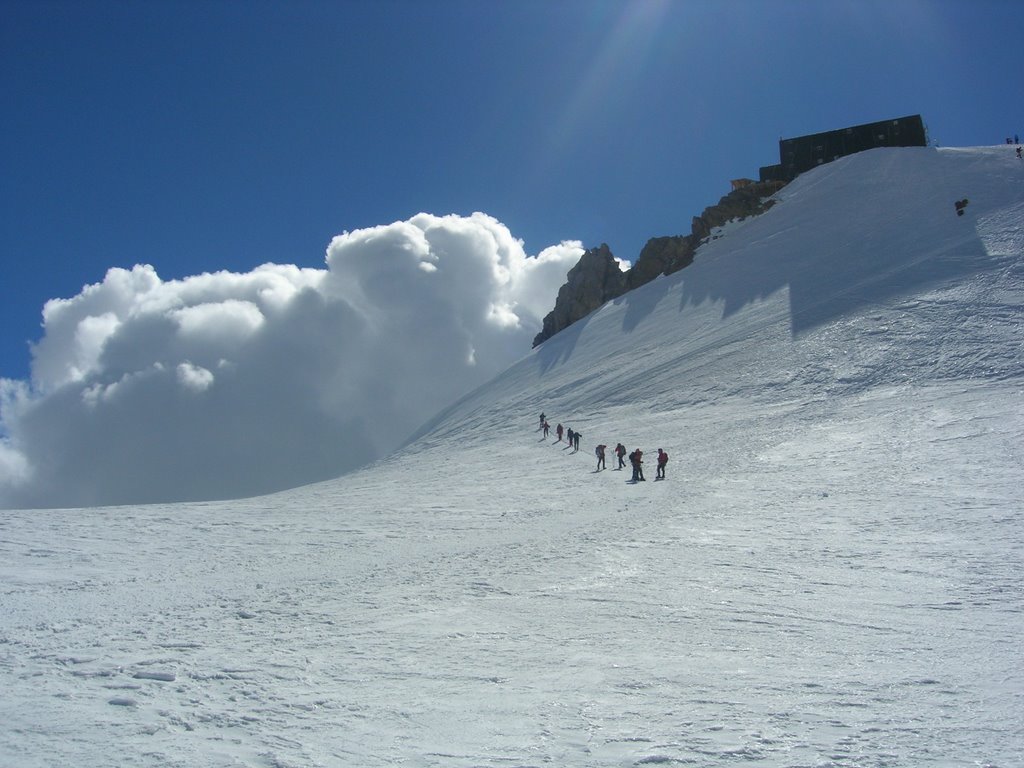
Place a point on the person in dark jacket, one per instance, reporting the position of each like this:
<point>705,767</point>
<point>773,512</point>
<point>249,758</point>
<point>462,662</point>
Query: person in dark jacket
<point>636,458</point>
<point>620,452</point>
<point>662,461</point>
<point>600,457</point>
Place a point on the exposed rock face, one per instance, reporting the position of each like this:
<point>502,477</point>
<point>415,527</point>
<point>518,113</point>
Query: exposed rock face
<point>597,277</point>
<point>738,204</point>
<point>661,256</point>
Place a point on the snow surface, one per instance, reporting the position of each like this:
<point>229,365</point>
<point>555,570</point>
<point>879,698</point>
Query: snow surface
<point>831,575</point>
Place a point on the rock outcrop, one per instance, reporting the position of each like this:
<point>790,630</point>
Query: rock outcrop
<point>596,278</point>
<point>661,256</point>
<point>749,200</point>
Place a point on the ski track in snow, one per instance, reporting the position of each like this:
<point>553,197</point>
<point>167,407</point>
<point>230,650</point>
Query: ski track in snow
<point>830,575</point>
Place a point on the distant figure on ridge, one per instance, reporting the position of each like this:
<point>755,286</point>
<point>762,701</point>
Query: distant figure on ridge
<point>599,451</point>
<point>620,452</point>
<point>662,461</point>
<point>1019,154</point>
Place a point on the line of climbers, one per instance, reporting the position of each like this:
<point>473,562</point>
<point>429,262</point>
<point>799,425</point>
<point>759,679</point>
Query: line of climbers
<point>636,458</point>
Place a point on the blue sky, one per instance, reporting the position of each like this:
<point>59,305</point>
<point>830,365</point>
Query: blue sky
<point>203,136</point>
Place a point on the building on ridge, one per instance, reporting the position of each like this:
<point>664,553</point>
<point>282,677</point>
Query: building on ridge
<point>803,153</point>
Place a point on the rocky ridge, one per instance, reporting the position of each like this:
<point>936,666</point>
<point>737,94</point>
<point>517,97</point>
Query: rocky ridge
<point>597,278</point>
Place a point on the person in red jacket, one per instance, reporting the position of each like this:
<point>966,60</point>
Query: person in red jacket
<point>662,461</point>
<point>558,431</point>
<point>600,457</point>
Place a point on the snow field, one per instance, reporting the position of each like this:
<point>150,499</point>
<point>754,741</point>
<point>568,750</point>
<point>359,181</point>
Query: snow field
<point>830,576</point>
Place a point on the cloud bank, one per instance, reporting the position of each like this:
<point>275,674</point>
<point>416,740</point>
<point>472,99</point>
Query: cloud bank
<point>228,385</point>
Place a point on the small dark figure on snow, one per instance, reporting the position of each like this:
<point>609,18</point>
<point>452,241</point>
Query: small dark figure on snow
<point>662,461</point>
<point>576,440</point>
<point>558,431</point>
<point>636,458</point>
<point>620,452</point>
<point>569,434</point>
<point>599,451</point>
<point>543,420</point>
<point>1019,156</point>
<point>546,427</point>
<point>960,205</point>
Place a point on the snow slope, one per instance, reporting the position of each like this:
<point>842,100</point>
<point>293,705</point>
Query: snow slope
<point>830,576</point>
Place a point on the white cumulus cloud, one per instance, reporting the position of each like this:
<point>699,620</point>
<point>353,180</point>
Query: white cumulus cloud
<point>194,377</point>
<point>224,385</point>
